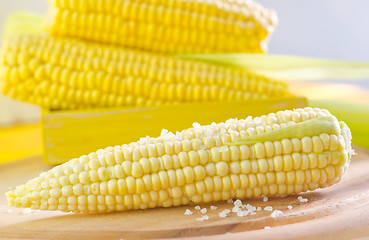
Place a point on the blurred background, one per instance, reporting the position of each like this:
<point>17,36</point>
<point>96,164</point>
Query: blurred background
<point>333,29</point>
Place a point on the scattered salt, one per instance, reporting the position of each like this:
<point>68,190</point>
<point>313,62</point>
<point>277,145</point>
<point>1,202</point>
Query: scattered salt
<point>268,208</point>
<point>203,211</point>
<point>276,213</point>
<point>265,199</point>
<point>267,227</point>
<point>226,210</point>
<point>236,209</point>
<point>213,207</point>
<point>10,210</point>
<point>199,219</point>
<point>240,213</point>
<point>205,217</point>
<point>303,200</point>
<point>238,203</point>
<point>188,212</point>
<point>258,209</point>
<point>197,207</point>
<point>252,213</point>
<point>289,207</point>
<point>27,211</point>
<point>222,214</point>
<point>230,201</point>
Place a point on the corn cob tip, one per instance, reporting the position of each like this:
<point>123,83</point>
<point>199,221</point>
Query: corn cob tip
<point>199,164</point>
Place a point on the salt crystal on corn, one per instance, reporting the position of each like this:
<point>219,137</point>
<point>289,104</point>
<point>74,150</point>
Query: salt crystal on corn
<point>203,211</point>
<point>188,212</point>
<point>265,199</point>
<point>268,208</point>
<point>276,213</point>
<point>197,207</point>
<point>289,207</point>
<point>213,207</point>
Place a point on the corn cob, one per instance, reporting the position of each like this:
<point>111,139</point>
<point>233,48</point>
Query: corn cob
<point>71,74</point>
<point>166,26</point>
<point>283,153</point>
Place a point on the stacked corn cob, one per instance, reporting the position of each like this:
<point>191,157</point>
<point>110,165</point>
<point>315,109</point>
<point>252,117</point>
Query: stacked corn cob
<point>166,26</point>
<point>283,153</point>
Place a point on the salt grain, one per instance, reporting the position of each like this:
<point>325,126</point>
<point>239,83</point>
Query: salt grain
<point>276,213</point>
<point>267,227</point>
<point>258,209</point>
<point>213,207</point>
<point>199,219</point>
<point>205,217</point>
<point>10,210</point>
<point>197,207</point>
<point>203,211</point>
<point>303,200</point>
<point>268,208</point>
<point>188,212</point>
<point>289,207</point>
<point>265,199</point>
<point>27,211</point>
<point>230,201</point>
<point>238,203</point>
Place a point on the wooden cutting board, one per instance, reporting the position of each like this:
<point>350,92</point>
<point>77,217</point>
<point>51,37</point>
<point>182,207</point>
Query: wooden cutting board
<point>338,212</point>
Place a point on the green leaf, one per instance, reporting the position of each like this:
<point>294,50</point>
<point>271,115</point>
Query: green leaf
<point>287,67</point>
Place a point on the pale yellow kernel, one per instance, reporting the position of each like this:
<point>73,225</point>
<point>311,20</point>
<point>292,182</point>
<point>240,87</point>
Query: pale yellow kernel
<point>154,164</point>
<point>136,154</point>
<point>209,142</point>
<point>200,187</point>
<point>160,149</point>
<point>186,145</point>
<point>183,159</point>
<point>277,147</point>
<point>93,163</point>
<point>325,140</point>
<point>180,177</point>
<point>307,144</point>
<point>259,150</point>
<point>128,200</point>
<point>177,192</point>
<point>323,176</point>
<point>200,172</point>
<point>46,193</point>
<point>55,192</point>
<point>262,165</point>
<point>333,146</point>
<point>235,153</point>
<point>217,184</point>
<point>317,144</point>
<point>290,177</point>
<point>235,180</point>
<point>127,166</point>
<point>136,170</point>
<point>252,180</point>
<point>210,169</point>
<point>175,160</point>
<point>103,173</point>
<point>155,181</point>
<point>254,166</point>
<point>259,129</point>
<point>189,174</point>
<point>131,184</point>
<point>227,184</point>
<point>215,154</point>
<point>109,158</point>
<point>296,145</point>
<point>177,146</point>
<point>286,146</point>
<point>221,168</point>
<point>84,177</point>
<point>112,187</point>
<point>300,177</point>
<point>118,155</point>
<point>270,177</point>
<point>235,167</point>
<point>151,150</point>
<point>77,168</point>
<point>217,196</point>
<point>136,200</point>
<point>77,189</point>
<point>140,186</point>
<point>143,151</point>
<point>322,161</point>
<point>104,188</point>
<point>203,156</point>
<point>54,182</point>
<point>122,186</point>
<point>269,149</point>
<point>245,152</point>
<point>287,162</point>
<point>315,175</point>
<point>73,179</point>
<point>262,181</point>
<point>296,117</point>
<point>305,162</point>
<point>209,184</point>
<point>280,177</point>
<point>163,195</point>
<point>193,158</point>
<point>164,179</point>
<point>196,144</point>
<point>313,160</point>
<point>169,148</point>
<point>245,166</point>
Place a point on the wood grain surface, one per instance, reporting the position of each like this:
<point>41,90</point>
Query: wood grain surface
<point>338,212</point>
